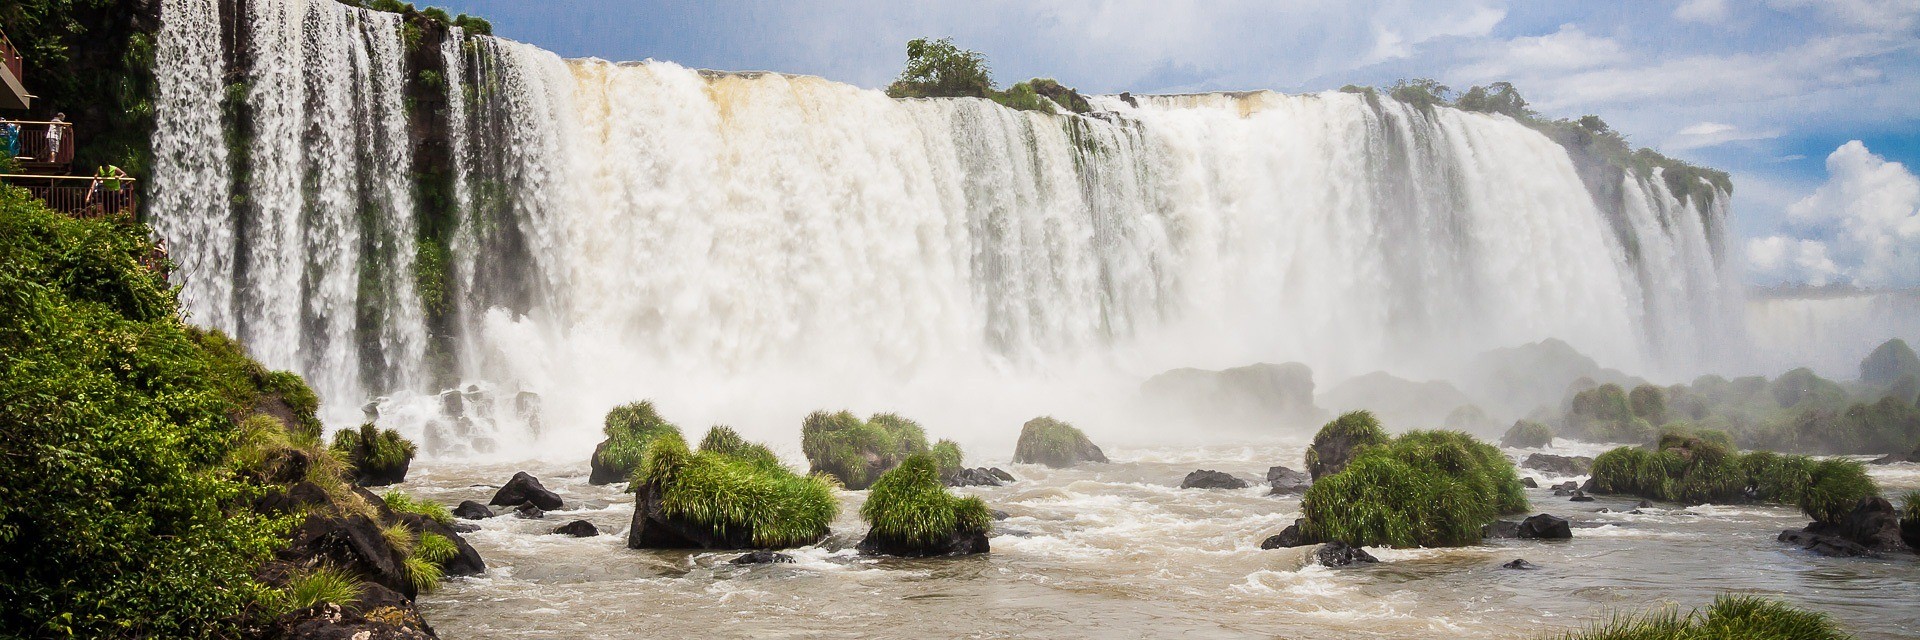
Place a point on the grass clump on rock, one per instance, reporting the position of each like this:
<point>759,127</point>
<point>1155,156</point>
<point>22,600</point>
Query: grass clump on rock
<point>1054,443</point>
<point>856,452</point>
<point>912,514</point>
<point>629,428</point>
<point>1694,470</point>
<point>1339,441</point>
<point>1527,434</point>
<point>378,457</point>
<point>1422,489</point>
<point>731,494</point>
<point>947,457</point>
<point>1743,617</point>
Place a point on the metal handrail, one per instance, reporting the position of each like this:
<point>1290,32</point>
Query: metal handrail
<point>30,142</point>
<point>80,196</point>
<point>12,58</point>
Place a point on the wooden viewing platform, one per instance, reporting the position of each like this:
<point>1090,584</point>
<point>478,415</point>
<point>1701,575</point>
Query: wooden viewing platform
<point>79,197</point>
<point>32,153</point>
<point>13,77</point>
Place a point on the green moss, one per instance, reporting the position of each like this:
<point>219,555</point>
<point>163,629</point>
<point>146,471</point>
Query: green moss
<point>856,452</point>
<point>1527,434</point>
<point>910,504</point>
<point>1742,617</point>
<point>947,456</point>
<point>1045,440</point>
<point>629,429</point>
<point>371,447</point>
<point>398,500</point>
<point>779,507</point>
<point>1422,489</point>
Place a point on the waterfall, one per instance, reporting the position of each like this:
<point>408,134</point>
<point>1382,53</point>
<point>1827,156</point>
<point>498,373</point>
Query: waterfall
<point>190,160</point>
<point>747,246</point>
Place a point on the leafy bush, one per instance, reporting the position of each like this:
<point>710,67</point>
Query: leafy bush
<point>1605,414</point>
<point>715,488</point>
<point>398,500</point>
<point>910,503</point>
<point>1022,97</point>
<point>947,457</point>
<point>1422,93</point>
<point>1499,97</point>
<point>1527,434</point>
<point>1344,437</point>
<point>473,25</point>
<point>724,440</point>
<point>629,429</point>
<point>1743,617</point>
<point>118,510</point>
<point>371,447</point>
<point>938,69</point>
<point>1693,470</point>
<point>1422,489</point>
<point>856,452</point>
<point>1836,485</point>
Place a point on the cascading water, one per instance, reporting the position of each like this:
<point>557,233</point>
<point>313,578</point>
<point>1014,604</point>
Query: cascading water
<point>748,247</point>
<point>190,160</point>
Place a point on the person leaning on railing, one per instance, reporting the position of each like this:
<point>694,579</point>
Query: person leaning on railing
<point>108,176</point>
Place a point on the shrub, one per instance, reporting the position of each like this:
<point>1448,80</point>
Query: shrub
<point>1064,96</point>
<point>473,25</point>
<point>424,574</point>
<point>910,504</point>
<point>1422,93</point>
<point>947,457</point>
<point>1468,417</point>
<point>1835,486</point>
<point>1022,97</point>
<point>399,501</point>
<point>1527,434</point>
<point>371,447</point>
<point>1424,488</point>
<point>119,512</point>
<point>1802,388</point>
<point>857,452</point>
<point>1648,403</point>
<point>322,584</point>
<point>938,69</point>
<point>1045,440</point>
<point>629,429</point>
<point>1744,617</point>
<point>1692,470</point>
<point>1605,414</point>
<point>779,507</point>
<point>1341,440</point>
<point>435,548</point>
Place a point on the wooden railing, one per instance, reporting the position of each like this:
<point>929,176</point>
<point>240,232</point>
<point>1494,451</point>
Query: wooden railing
<point>81,197</point>
<point>12,58</point>
<point>26,140</point>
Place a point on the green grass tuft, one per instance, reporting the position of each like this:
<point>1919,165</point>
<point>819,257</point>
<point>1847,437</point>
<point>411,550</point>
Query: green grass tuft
<point>730,493</point>
<point>1730,617</point>
<point>398,500</point>
<point>1422,489</point>
<point>1358,427</point>
<point>371,447</point>
<point>424,574</point>
<point>435,548</point>
<point>725,441</point>
<point>947,456</point>
<point>323,584</point>
<point>856,452</point>
<point>1045,440</point>
<point>630,428</point>
<point>910,503</point>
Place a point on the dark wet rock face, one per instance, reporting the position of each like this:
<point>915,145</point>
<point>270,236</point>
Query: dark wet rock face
<point>1544,527</point>
<point>1500,529</point>
<point>763,557</point>
<point>1826,545</point>
<point>529,512</point>
<point>1520,563</point>
<point>526,489</point>
<point>1210,479</point>
<point>1581,496</point>
<point>604,472</point>
<point>1292,536</point>
<point>1284,481</point>
<point>353,544</point>
<point>578,529</point>
<point>470,510</point>
<point>1340,554</point>
<point>651,528</point>
<point>1873,524</point>
<point>977,477</point>
<point>1559,465</point>
<point>1529,482</point>
<point>959,544</point>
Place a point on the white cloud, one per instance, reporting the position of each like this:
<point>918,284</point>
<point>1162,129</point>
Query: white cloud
<point>1707,11</point>
<point>1866,217</point>
<point>1564,50</point>
<point>1709,134</point>
<point>1784,259</point>
<point>1883,15</point>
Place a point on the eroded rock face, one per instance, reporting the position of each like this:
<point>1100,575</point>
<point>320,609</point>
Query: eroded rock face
<point>602,471</point>
<point>1340,554</point>
<point>959,544</point>
<point>1559,465</point>
<point>977,477</point>
<point>1284,481</point>
<point>1210,479</point>
<point>1041,443</point>
<point>1544,527</point>
<point>526,489</point>
<point>1292,536</point>
<point>1874,524</point>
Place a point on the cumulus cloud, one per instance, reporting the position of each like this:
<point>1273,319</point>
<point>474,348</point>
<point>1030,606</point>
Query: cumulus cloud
<point>1708,11</point>
<point>1710,134</point>
<point>1862,225</point>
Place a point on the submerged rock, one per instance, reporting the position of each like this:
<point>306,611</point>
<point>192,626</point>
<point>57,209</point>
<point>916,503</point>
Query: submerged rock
<point>526,489</point>
<point>960,543</point>
<point>998,514</point>
<point>529,512</point>
<point>1580,496</point>
<point>1284,481</point>
<point>1544,527</point>
<point>1340,554</point>
<point>1292,536</point>
<point>1826,545</point>
<point>1559,465</point>
<point>1210,479</point>
<point>471,510</point>
<point>1519,563</point>
<point>578,529</point>
<point>762,557</point>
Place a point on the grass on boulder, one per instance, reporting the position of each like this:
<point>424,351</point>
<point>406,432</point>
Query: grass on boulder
<point>856,452</point>
<point>1527,434</point>
<point>1692,470</point>
<point>732,486</point>
<point>911,505</point>
<point>1052,442</point>
<point>1340,440</point>
<point>629,429</point>
<point>373,452</point>
<point>947,457</point>
<point>1422,489</point>
<point>400,501</point>
<point>1729,617</point>
<point>322,584</point>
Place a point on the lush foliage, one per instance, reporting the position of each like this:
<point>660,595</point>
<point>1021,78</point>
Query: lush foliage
<point>1606,414</point>
<point>400,501</point>
<point>1691,469</point>
<point>1360,428</point>
<point>1742,617</point>
<point>1527,434</point>
<point>940,69</point>
<point>854,451</point>
<point>720,488</point>
<point>117,429</point>
<point>372,447</point>
<point>947,456</point>
<point>910,504</point>
<point>1421,489</point>
<point>630,428</point>
<point>93,60</point>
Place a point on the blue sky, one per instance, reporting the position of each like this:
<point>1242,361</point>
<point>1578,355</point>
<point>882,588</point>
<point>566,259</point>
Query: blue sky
<point>1769,90</point>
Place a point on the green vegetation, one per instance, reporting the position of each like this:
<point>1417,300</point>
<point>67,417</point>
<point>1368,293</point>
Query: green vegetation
<point>630,428</point>
<point>939,69</point>
<point>371,447</point>
<point>398,500</point>
<point>121,477</point>
<point>1692,469</point>
<point>321,584</point>
<point>1342,439</point>
<point>1045,440</point>
<point>721,489</point>
<point>1889,363</point>
<point>93,60</point>
<point>947,457</point>
<point>1527,434</point>
<point>1743,617</point>
<point>1421,489</point>
<point>856,452</point>
<point>1606,414</point>
<point>910,504</point>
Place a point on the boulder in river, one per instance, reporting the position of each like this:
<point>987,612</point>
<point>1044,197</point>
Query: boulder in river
<point>1559,465</point>
<point>1292,536</point>
<point>1580,496</point>
<point>1824,544</point>
<point>629,428</point>
<point>1340,554</point>
<point>910,514</point>
<point>1284,481</point>
<point>1529,482</point>
<point>526,489</point>
<point>1874,524</point>
<point>1545,527</point>
<point>529,512</point>
<point>1500,529</point>
<point>976,477</point>
<point>1047,441</point>
<point>1339,441</point>
<point>1210,479</point>
<point>578,529</point>
<point>470,510</point>
<point>378,457</point>
<point>1519,563</point>
<point>762,556</point>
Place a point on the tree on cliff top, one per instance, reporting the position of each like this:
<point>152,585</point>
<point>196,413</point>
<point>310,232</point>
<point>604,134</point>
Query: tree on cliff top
<point>938,69</point>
